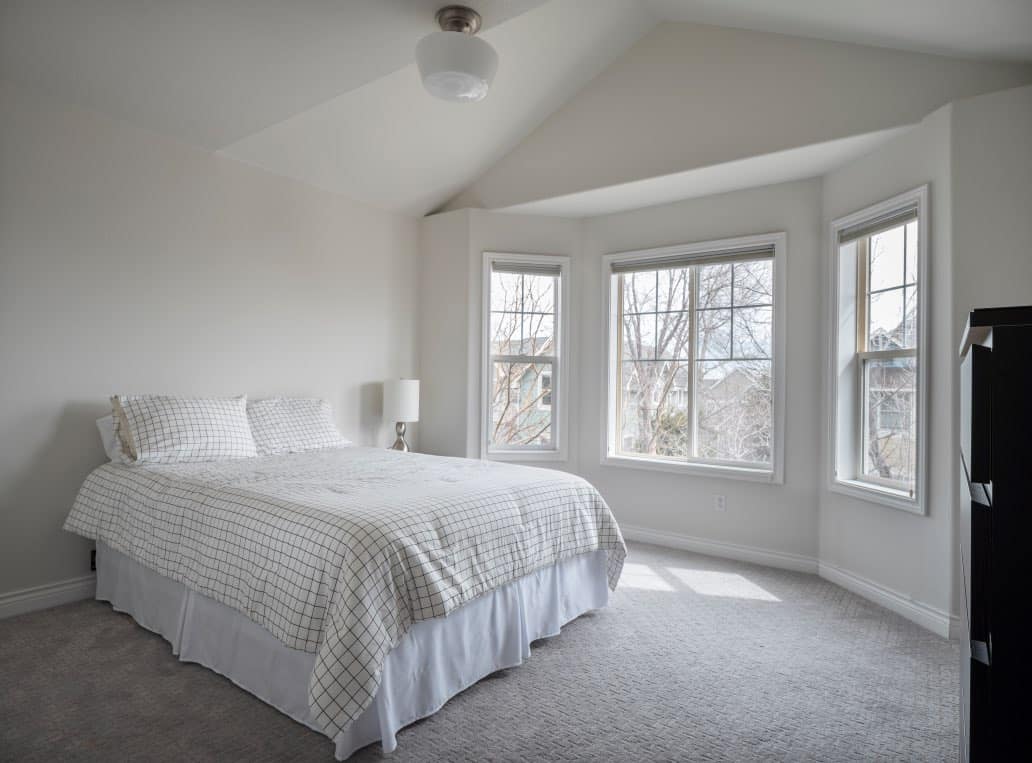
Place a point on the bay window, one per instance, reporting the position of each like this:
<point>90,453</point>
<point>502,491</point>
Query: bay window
<point>693,358</point>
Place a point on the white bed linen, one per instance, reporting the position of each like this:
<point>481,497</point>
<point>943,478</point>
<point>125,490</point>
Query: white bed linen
<point>340,551</point>
<point>433,662</point>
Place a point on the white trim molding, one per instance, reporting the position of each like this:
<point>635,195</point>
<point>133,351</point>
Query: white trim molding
<point>47,595</point>
<point>842,401</point>
<point>768,558</point>
<point>699,468</point>
<point>561,388</point>
<point>936,620</point>
<point>772,473</point>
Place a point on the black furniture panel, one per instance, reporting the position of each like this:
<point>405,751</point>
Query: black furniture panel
<point>996,533</point>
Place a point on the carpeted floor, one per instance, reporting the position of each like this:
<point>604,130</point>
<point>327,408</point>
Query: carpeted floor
<point>696,658</point>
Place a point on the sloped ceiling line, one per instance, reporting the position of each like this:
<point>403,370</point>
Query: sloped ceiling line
<point>325,91</point>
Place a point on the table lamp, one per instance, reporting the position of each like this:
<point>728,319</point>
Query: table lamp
<point>401,405</point>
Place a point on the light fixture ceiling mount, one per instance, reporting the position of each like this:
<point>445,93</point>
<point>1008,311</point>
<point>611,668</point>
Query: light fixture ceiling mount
<point>453,63</point>
<point>458,18</point>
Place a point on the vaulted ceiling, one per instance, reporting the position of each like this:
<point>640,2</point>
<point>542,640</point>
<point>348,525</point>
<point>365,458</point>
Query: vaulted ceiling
<point>998,30</point>
<point>326,91</point>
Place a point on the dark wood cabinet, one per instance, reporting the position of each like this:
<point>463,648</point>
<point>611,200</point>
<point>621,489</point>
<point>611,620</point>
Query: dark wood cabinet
<point>996,533</point>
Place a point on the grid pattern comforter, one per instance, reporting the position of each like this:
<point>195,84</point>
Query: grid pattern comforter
<point>339,551</point>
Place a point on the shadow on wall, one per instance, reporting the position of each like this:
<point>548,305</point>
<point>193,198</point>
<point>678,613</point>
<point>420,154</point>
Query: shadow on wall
<point>371,421</point>
<point>41,495</point>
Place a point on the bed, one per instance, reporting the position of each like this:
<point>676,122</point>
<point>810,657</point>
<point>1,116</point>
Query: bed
<point>354,589</point>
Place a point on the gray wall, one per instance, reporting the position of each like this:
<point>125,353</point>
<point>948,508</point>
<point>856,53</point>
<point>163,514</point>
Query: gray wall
<point>991,155</point>
<point>129,262</point>
<point>906,553</point>
<point>976,155</point>
<point>777,518</point>
<point>991,159</point>
<point>688,96</point>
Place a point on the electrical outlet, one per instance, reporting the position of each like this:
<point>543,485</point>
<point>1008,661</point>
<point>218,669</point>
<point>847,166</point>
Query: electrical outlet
<point>720,503</point>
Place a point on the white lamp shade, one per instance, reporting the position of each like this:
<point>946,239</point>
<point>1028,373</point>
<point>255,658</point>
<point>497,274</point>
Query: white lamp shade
<point>401,400</point>
<point>456,66</point>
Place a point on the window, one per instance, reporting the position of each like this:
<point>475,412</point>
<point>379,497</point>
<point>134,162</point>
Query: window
<point>545,392</point>
<point>693,358</point>
<point>878,351</point>
<point>524,301</point>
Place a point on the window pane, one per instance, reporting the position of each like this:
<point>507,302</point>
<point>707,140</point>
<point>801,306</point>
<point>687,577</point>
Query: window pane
<point>910,316</point>
<point>887,259</point>
<point>505,333</point>
<point>505,292</point>
<point>539,293</point>
<point>673,335</point>
<point>639,336</point>
<point>538,334</point>
<point>890,426</point>
<point>714,286</point>
<point>517,416</point>
<point>639,292</point>
<point>654,403</point>
<point>714,334</point>
<point>545,400</point>
<point>752,331</point>
<point>733,410</point>
<point>673,421</point>
<point>674,292</point>
<point>886,330</point>
<point>911,269</point>
<point>754,283</point>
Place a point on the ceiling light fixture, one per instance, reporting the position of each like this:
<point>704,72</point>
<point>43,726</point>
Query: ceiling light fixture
<point>454,64</point>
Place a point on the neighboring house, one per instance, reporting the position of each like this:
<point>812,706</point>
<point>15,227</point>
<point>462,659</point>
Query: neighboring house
<point>724,424</point>
<point>891,406</point>
<point>523,401</point>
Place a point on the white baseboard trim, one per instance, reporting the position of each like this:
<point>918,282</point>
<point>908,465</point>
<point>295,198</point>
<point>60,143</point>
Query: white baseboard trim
<point>956,628</point>
<point>780,559</point>
<point>47,595</point>
<point>934,619</point>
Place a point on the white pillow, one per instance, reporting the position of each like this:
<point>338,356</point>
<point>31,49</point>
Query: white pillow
<point>293,425</point>
<point>112,445</point>
<point>164,429</point>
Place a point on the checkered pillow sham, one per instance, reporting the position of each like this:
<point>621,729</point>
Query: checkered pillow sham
<point>162,429</point>
<point>293,425</point>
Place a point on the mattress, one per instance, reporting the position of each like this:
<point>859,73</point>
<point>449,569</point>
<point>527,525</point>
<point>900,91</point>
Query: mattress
<point>340,551</point>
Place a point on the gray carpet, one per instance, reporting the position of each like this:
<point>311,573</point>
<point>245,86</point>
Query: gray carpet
<point>695,659</point>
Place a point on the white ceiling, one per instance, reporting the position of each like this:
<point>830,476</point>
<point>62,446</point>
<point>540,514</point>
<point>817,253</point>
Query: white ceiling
<point>988,29</point>
<point>392,144</point>
<point>777,167</point>
<point>210,72</point>
<point>325,90</point>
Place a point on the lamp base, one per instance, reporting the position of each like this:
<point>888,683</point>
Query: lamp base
<point>400,444</point>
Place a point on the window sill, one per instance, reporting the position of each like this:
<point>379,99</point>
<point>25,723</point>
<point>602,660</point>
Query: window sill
<point>886,496</point>
<point>719,471</point>
<point>525,455</point>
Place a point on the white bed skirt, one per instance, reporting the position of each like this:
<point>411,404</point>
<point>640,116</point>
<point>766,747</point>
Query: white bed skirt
<point>434,661</point>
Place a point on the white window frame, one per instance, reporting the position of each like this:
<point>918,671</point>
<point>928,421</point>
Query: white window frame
<point>772,473</point>
<point>844,408</point>
<point>557,451</point>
